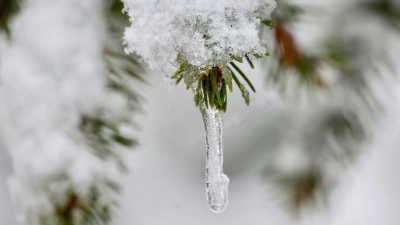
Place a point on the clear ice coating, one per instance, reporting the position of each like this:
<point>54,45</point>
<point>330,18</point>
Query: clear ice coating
<point>216,181</point>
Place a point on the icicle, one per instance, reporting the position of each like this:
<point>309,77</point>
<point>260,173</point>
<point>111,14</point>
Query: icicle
<point>216,181</point>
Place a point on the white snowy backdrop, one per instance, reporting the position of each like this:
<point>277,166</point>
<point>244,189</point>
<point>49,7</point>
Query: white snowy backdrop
<point>166,183</point>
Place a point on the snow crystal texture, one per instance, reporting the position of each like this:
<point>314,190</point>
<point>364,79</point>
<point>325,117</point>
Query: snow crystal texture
<point>200,32</point>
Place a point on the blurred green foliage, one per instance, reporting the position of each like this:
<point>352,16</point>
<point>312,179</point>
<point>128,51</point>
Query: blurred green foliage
<point>8,8</point>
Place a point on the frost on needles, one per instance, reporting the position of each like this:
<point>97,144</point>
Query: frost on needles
<point>196,41</point>
<point>203,33</point>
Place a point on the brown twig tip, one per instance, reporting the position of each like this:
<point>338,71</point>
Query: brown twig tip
<point>72,204</point>
<point>289,53</point>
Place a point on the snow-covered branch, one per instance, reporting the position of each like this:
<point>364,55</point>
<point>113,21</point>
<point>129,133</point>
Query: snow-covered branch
<point>60,120</point>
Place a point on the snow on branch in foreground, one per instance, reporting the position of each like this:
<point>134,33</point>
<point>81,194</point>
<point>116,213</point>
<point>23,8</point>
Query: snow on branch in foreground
<point>59,120</point>
<point>201,32</point>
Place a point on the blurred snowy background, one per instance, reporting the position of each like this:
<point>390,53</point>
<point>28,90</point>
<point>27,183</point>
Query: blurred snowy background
<point>166,184</point>
<point>349,179</point>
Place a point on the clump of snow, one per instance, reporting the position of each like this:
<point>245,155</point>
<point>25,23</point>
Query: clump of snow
<point>51,75</point>
<point>199,32</point>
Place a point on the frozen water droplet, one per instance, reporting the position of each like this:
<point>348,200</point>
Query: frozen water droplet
<point>216,181</point>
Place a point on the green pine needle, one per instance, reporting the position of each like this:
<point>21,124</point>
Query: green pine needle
<point>244,76</point>
<point>215,86</point>
<point>179,80</point>
<point>205,92</point>
<point>250,62</point>
<point>269,23</point>
<point>245,93</point>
